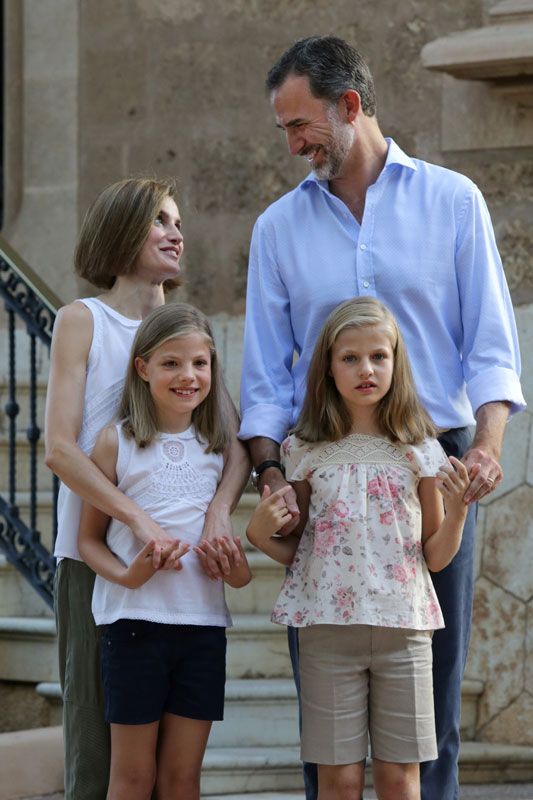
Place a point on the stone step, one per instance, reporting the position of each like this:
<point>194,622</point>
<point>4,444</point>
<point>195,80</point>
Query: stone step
<point>45,512</point>
<point>256,713</point>
<point>18,598</point>
<point>256,649</point>
<point>31,761</point>
<point>261,593</point>
<point>44,476</point>
<point>241,517</point>
<point>28,649</point>
<point>234,770</point>
<point>23,402</point>
<point>484,762</point>
<point>264,712</point>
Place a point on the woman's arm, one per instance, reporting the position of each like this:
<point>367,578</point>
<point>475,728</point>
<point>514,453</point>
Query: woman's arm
<point>71,343</point>
<point>441,533</point>
<point>235,476</point>
<point>271,514</point>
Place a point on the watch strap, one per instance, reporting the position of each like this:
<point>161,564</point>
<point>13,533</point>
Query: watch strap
<point>266,464</point>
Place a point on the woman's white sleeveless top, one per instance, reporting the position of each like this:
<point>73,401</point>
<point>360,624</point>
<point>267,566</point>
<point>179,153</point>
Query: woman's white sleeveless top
<point>173,480</point>
<point>113,336</point>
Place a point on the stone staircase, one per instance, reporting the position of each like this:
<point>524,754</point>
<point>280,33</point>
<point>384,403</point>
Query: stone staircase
<point>256,748</point>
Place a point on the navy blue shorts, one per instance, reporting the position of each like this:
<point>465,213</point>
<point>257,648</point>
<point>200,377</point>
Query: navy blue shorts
<point>149,668</point>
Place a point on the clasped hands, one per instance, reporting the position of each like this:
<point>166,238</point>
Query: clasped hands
<point>217,557</point>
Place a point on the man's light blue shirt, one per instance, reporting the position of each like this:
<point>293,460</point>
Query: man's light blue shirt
<point>425,248</point>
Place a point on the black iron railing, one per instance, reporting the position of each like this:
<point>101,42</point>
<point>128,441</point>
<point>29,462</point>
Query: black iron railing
<point>30,309</point>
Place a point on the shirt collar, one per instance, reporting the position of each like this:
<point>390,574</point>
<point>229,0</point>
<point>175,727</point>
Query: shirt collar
<point>395,155</point>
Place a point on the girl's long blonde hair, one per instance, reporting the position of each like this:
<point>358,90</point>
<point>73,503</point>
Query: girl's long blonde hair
<point>324,416</point>
<point>137,410</point>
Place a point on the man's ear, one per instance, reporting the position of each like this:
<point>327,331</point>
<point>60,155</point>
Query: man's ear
<point>140,366</point>
<point>350,104</point>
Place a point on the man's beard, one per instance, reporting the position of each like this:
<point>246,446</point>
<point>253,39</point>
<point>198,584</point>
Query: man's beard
<point>334,154</point>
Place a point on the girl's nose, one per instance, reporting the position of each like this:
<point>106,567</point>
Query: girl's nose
<point>365,367</point>
<point>186,373</point>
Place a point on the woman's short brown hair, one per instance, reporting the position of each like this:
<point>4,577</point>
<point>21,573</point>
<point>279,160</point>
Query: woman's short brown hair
<point>116,227</point>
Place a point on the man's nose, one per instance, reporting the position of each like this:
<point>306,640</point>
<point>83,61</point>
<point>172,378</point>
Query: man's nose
<point>295,141</point>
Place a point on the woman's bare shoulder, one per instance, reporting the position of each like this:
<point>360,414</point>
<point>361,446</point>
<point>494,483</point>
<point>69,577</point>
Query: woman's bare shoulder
<point>73,328</point>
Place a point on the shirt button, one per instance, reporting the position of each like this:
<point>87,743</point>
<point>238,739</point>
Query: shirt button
<point>366,284</point>
<point>362,246</point>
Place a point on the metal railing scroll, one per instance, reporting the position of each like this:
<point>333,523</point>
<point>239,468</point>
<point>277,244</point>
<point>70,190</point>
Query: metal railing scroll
<point>30,314</point>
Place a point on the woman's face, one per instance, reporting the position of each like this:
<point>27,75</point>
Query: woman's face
<point>160,255</point>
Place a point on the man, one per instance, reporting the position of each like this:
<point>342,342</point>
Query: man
<point>370,220</point>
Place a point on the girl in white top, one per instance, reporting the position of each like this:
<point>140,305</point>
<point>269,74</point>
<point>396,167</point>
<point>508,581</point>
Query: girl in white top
<point>367,471</point>
<point>163,635</point>
<point>130,246</point>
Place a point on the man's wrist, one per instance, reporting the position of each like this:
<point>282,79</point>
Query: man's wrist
<point>273,477</point>
<point>269,466</point>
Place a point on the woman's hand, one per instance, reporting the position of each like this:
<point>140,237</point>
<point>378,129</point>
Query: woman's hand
<point>228,555</point>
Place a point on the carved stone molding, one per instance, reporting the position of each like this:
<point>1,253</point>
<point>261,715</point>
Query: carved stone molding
<point>500,52</point>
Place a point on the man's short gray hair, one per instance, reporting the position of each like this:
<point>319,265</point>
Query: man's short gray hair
<point>332,66</point>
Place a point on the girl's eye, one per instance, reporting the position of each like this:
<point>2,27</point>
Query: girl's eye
<point>349,359</point>
<point>158,220</point>
<point>201,363</point>
<point>379,356</point>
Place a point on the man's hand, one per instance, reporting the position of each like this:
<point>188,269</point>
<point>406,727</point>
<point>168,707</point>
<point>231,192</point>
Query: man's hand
<point>482,460</point>
<point>484,471</point>
<point>275,481</point>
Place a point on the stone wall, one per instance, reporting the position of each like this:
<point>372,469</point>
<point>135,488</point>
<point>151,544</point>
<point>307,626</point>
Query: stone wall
<point>99,90</point>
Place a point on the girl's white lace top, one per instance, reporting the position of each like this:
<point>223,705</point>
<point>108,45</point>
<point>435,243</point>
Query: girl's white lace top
<point>173,480</point>
<point>360,558</point>
<point>113,336</point>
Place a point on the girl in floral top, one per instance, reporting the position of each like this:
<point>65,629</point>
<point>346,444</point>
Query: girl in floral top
<point>370,478</point>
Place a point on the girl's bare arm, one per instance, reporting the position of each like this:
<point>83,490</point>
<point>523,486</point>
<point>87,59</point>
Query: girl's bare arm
<point>442,532</point>
<point>93,522</point>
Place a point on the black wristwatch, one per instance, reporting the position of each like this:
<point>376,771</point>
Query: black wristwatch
<point>258,471</point>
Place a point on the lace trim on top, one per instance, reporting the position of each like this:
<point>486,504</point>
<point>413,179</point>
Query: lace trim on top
<point>360,449</point>
<point>175,478</point>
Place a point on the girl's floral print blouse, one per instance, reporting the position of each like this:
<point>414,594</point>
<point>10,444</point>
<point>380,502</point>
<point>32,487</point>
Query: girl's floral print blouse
<point>360,558</point>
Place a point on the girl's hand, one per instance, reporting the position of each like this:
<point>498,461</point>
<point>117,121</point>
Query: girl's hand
<point>141,568</point>
<point>172,554</point>
<point>271,513</point>
<point>452,482</point>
